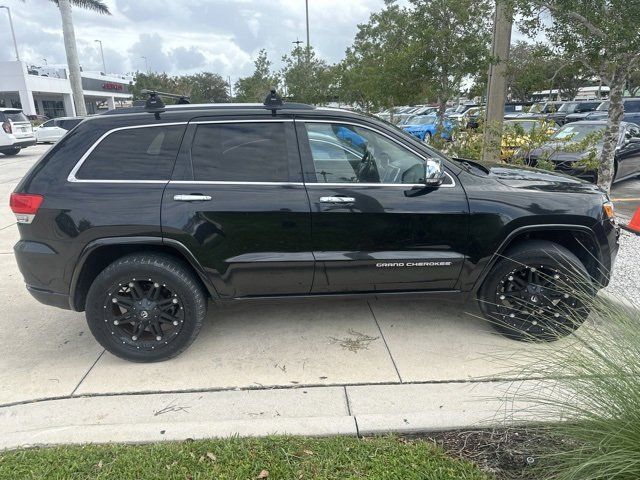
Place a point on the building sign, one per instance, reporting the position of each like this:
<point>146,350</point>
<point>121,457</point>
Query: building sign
<point>112,86</point>
<point>97,85</point>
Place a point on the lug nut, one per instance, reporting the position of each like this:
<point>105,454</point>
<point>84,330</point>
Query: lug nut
<point>131,284</point>
<point>158,338</point>
<point>556,315</point>
<point>134,338</point>
<point>513,315</point>
<point>175,323</point>
<point>114,300</point>
<point>502,297</point>
<point>157,285</point>
<point>175,300</point>
<point>116,322</point>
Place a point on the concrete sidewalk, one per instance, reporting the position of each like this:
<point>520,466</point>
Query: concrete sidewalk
<point>314,367</point>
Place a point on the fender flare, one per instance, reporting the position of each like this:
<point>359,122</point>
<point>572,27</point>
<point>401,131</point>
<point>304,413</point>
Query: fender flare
<point>180,248</point>
<point>532,228</point>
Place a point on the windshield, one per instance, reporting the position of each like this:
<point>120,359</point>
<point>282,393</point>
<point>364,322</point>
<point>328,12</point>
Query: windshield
<point>422,120</point>
<point>16,116</point>
<point>526,126</point>
<point>537,108</point>
<point>567,107</point>
<point>577,133</point>
<point>603,107</point>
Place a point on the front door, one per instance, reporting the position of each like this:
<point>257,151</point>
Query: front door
<point>628,154</point>
<point>238,203</point>
<point>375,228</point>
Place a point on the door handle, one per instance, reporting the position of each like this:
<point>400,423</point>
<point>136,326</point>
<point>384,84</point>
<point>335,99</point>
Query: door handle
<point>337,200</point>
<point>192,198</point>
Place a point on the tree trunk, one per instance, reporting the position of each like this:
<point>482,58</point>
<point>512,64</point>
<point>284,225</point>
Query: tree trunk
<point>606,167</point>
<point>71,51</point>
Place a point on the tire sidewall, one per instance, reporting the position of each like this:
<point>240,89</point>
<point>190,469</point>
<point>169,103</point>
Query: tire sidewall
<point>556,259</point>
<point>188,291</point>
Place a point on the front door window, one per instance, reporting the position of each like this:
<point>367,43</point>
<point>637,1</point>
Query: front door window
<point>345,153</point>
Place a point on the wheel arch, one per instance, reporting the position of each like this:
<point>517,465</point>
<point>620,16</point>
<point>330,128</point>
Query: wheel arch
<point>578,239</point>
<point>98,254</point>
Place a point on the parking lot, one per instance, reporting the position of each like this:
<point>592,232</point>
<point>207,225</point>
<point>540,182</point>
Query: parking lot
<point>314,367</point>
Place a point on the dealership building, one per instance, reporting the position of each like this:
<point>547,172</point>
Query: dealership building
<point>47,90</point>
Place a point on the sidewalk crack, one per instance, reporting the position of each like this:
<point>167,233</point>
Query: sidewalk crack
<point>87,372</point>
<point>393,361</point>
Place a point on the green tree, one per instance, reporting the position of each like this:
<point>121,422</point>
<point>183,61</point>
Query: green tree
<point>255,87</point>
<point>306,77</point>
<point>603,36</point>
<point>451,41</point>
<point>376,71</point>
<point>204,87</point>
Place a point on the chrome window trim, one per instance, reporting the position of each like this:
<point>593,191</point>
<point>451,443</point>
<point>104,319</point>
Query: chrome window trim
<point>72,175</point>
<point>222,182</point>
<point>402,145</point>
<point>256,120</point>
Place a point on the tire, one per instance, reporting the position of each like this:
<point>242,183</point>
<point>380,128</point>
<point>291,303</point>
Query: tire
<point>530,313</point>
<point>146,307</point>
<point>12,151</point>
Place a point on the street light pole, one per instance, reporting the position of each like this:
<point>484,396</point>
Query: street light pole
<point>104,67</point>
<point>13,33</point>
<point>306,3</point>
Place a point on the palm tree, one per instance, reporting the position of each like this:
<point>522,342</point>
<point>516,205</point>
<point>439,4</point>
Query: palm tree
<point>70,47</point>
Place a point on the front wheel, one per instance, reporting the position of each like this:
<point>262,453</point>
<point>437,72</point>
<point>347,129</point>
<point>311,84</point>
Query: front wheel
<point>145,307</point>
<point>538,291</point>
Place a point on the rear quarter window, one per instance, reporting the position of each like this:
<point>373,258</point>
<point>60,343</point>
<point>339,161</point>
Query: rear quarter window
<point>134,154</point>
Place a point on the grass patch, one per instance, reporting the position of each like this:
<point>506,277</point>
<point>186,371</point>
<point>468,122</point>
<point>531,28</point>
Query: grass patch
<point>243,458</point>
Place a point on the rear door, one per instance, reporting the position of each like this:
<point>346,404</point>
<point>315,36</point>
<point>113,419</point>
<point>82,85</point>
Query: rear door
<point>375,228</point>
<point>238,203</point>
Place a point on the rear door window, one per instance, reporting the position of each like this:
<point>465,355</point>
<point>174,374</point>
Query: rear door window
<point>240,152</point>
<point>134,154</point>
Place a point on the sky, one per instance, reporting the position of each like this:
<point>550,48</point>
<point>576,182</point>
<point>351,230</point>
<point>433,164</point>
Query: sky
<point>185,36</point>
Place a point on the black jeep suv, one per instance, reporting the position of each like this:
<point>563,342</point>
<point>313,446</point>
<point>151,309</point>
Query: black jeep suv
<point>139,217</point>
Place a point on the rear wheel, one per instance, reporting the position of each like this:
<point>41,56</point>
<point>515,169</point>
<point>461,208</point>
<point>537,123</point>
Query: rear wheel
<point>538,291</point>
<point>145,307</point>
<point>12,151</point>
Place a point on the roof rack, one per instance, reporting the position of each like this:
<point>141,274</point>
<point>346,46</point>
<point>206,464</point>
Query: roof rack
<point>273,102</point>
<point>154,103</point>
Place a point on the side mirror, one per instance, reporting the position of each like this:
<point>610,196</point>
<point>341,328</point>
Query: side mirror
<point>433,173</point>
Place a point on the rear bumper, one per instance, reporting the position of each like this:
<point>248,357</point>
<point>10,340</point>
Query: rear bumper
<point>19,143</point>
<point>40,265</point>
<point>53,299</point>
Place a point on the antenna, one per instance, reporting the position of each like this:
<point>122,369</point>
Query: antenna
<point>273,102</point>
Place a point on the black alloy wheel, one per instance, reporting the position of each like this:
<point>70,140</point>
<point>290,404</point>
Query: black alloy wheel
<point>536,292</point>
<point>146,307</point>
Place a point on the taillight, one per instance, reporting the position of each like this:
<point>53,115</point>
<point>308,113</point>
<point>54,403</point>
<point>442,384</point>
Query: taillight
<point>25,206</point>
<point>6,126</point>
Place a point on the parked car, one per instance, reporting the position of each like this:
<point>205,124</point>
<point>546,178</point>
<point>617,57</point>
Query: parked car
<point>598,114</point>
<point>572,107</point>
<point>459,111</point>
<point>517,134</point>
<point>540,110</point>
<point>53,130</point>
<point>424,127</point>
<point>16,132</point>
<point>631,111</point>
<point>141,216</point>
<point>627,156</point>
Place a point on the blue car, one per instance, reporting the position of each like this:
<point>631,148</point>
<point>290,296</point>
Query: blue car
<point>424,127</point>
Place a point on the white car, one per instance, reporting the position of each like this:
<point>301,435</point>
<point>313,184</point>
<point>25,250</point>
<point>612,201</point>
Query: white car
<point>53,130</point>
<point>16,131</point>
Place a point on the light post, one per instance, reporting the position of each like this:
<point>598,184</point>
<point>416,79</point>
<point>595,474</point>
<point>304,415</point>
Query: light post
<point>104,67</point>
<point>306,4</point>
<point>146,63</point>
<point>13,33</point>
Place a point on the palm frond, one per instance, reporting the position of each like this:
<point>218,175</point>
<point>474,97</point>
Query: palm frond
<point>94,5</point>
